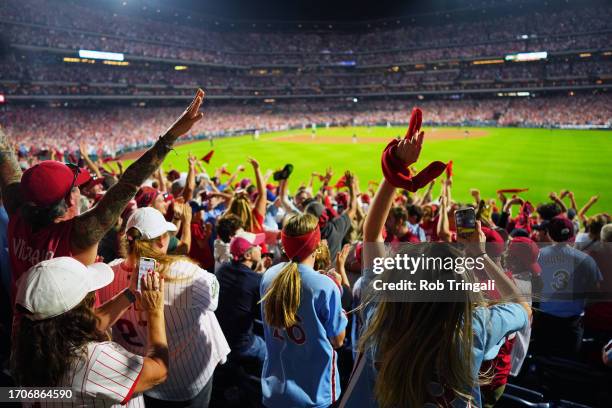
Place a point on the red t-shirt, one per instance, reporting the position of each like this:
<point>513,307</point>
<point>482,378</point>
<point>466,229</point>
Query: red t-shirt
<point>501,365</point>
<point>203,255</point>
<point>28,248</point>
<point>258,227</point>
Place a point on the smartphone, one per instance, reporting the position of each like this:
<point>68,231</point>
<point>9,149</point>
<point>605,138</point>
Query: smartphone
<point>465,219</point>
<point>145,266</point>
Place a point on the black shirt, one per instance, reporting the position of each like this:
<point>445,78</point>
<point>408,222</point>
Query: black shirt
<point>334,232</point>
<point>238,303</point>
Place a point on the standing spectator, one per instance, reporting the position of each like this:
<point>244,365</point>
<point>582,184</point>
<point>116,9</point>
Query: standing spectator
<point>239,297</point>
<point>303,323</point>
<point>568,275</point>
<point>191,295</point>
<point>42,205</point>
<point>61,341</point>
<point>227,227</point>
<point>415,214</point>
<point>335,230</point>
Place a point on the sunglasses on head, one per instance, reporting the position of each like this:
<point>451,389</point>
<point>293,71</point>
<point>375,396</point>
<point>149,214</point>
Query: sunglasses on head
<point>76,170</point>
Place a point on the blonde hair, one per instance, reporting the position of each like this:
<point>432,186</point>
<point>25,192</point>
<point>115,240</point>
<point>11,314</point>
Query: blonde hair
<point>133,245</point>
<point>322,257</point>
<point>416,342</point>
<point>241,207</point>
<point>282,299</point>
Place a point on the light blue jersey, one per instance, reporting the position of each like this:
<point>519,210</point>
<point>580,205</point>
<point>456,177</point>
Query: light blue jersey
<point>301,368</point>
<point>490,327</point>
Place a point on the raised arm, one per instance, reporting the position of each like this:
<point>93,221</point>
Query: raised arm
<point>260,203</point>
<point>407,151</point>
<point>505,285</point>
<point>352,184</point>
<point>10,174</point>
<point>92,166</point>
<point>161,180</point>
<point>553,196</point>
<point>587,207</point>
<point>570,194</point>
<point>190,184</point>
<point>91,226</point>
<point>233,176</point>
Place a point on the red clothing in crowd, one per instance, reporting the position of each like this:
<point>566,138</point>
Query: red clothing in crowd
<point>200,250</point>
<point>27,248</point>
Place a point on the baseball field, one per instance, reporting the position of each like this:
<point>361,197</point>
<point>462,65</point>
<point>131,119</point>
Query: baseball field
<point>485,158</point>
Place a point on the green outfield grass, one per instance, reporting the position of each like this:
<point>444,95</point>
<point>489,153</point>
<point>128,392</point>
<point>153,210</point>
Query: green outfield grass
<point>542,160</point>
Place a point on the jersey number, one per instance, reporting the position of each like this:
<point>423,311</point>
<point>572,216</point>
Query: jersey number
<point>295,333</point>
<point>128,331</point>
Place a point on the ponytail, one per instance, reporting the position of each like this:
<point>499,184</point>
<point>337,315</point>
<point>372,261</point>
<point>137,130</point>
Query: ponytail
<point>282,299</point>
<point>300,238</point>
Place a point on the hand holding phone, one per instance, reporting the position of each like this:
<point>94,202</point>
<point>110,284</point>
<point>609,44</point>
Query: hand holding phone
<point>465,220</point>
<point>145,266</point>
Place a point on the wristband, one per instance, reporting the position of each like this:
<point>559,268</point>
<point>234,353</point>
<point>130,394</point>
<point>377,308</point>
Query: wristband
<point>129,295</point>
<point>162,141</point>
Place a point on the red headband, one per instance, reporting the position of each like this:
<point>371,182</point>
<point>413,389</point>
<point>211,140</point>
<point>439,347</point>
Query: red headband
<point>298,248</point>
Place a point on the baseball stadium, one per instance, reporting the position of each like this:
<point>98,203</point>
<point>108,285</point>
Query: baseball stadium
<point>192,194</point>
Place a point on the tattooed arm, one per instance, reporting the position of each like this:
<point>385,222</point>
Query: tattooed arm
<point>91,226</point>
<point>10,175</point>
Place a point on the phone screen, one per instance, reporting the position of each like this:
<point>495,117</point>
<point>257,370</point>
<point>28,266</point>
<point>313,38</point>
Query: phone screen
<point>145,266</point>
<point>465,220</point>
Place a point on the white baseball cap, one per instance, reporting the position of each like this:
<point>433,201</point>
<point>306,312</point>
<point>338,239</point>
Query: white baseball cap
<point>150,223</point>
<point>55,286</point>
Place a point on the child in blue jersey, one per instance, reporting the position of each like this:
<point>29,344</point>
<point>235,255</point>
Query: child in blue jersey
<point>303,323</point>
<point>416,354</point>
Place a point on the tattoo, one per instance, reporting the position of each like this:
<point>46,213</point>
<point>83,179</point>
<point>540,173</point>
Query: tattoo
<point>10,175</point>
<point>91,226</point>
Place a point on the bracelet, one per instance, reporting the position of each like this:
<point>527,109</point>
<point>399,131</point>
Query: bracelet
<point>127,292</point>
<point>165,145</point>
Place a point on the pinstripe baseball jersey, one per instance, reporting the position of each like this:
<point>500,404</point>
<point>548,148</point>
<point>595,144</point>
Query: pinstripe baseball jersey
<point>105,378</point>
<point>195,340</point>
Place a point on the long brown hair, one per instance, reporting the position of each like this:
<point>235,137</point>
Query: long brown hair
<point>282,299</point>
<point>241,207</point>
<point>45,351</point>
<point>416,342</point>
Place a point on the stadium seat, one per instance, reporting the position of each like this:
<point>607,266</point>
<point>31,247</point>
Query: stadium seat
<point>573,380</point>
<point>523,392</point>
<point>511,401</point>
<point>237,384</point>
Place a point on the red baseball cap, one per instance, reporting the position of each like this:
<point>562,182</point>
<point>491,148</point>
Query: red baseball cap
<point>243,241</point>
<point>145,196</point>
<point>527,251</point>
<point>50,181</point>
<point>495,242</point>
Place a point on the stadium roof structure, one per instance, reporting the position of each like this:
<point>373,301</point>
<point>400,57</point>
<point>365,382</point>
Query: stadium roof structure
<point>324,15</point>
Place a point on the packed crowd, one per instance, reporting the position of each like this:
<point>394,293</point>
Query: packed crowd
<point>107,131</point>
<point>39,76</point>
<point>140,286</point>
<point>69,26</point>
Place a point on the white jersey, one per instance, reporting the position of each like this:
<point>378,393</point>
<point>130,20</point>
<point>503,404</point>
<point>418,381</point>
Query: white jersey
<point>195,340</point>
<point>105,378</point>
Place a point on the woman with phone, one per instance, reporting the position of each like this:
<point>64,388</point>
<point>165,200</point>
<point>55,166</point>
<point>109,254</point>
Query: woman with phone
<point>61,339</point>
<point>191,295</point>
<point>413,353</point>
